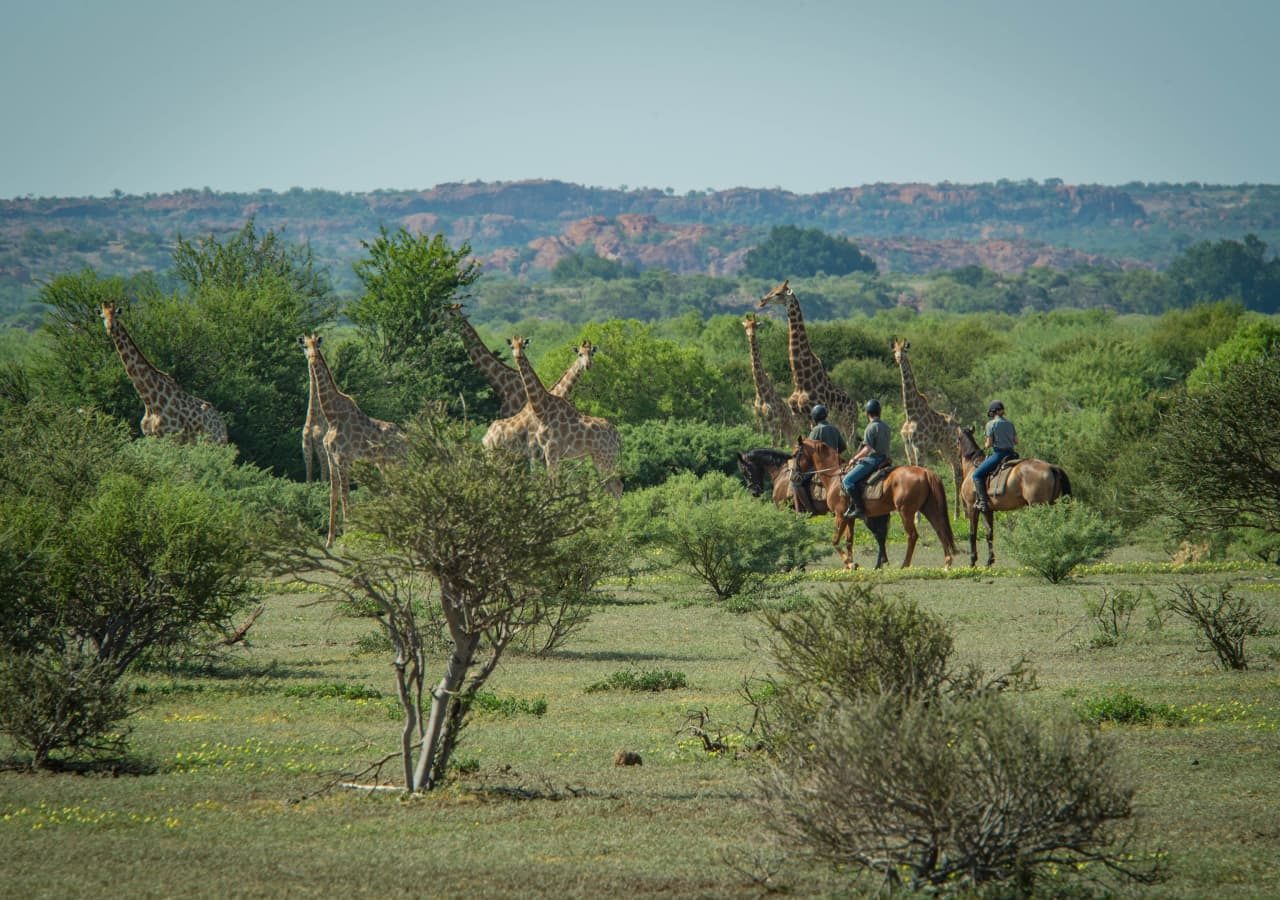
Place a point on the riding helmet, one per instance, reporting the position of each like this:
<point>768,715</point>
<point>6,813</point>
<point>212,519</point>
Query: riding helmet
<point>818,413</point>
<point>872,408</point>
<point>995,407</point>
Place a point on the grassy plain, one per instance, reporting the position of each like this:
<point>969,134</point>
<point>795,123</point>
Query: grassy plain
<point>236,763</point>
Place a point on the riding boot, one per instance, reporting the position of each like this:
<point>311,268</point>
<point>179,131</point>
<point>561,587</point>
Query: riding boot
<point>981,502</point>
<point>857,508</point>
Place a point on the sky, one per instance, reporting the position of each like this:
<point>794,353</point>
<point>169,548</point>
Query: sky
<point>151,96</point>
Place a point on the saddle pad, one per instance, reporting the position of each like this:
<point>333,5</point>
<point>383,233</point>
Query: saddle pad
<point>875,483</point>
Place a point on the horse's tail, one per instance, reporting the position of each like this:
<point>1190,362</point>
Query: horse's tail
<point>1062,483</point>
<point>935,510</point>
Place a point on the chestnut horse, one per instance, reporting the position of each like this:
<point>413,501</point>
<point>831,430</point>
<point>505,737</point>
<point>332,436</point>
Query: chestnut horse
<point>1031,481</point>
<point>907,489</point>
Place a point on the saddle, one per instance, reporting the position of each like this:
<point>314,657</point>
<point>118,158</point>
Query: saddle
<point>874,485</point>
<point>998,480</point>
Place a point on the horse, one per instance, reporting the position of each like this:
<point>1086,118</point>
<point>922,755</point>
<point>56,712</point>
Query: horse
<point>1030,481</point>
<point>756,464</point>
<point>907,489</point>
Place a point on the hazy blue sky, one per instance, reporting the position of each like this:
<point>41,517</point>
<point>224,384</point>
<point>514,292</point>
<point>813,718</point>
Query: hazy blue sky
<point>159,95</point>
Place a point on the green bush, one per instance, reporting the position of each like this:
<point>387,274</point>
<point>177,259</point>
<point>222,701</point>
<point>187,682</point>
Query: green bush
<point>640,680</point>
<point>67,700</point>
<point>945,795</point>
<point>1126,709</point>
<point>717,532</point>
<point>654,451</point>
<point>1053,540</point>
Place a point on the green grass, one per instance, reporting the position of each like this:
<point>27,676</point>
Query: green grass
<point>231,788</point>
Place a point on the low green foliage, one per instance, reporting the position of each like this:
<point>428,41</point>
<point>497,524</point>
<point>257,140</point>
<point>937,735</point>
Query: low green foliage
<point>488,701</point>
<point>654,451</point>
<point>1125,709</point>
<point>333,690</point>
<point>639,680</point>
<point>713,529</point>
<point>1053,540</point>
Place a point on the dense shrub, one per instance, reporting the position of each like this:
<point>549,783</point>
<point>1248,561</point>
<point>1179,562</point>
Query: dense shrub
<point>1052,540</point>
<point>653,451</point>
<point>941,794</point>
<point>717,532</point>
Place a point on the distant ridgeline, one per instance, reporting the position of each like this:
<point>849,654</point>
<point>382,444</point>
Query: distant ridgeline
<point>525,228</point>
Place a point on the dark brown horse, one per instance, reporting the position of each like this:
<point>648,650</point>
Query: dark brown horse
<point>1031,481</point>
<point>756,464</point>
<point>906,489</point>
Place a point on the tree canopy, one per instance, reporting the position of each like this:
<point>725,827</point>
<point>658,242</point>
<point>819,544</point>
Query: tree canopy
<point>791,252</point>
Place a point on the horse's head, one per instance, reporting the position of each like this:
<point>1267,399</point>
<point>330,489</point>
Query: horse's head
<point>966,442</point>
<point>752,473</point>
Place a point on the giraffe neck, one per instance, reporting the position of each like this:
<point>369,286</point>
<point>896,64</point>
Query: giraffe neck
<point>803,361</point>
<point>764,387</point>
<point>569,379</point>
<point>912,400</point>
<point>539,399</point>
<point>314,412</point>
<point>499,373</point>
<point>146,378</point>
<point>335,405</point>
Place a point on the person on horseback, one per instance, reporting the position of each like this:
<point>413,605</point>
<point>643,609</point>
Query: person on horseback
<point>873,452</point>
<point>1002,437</point>
<point>830,435</point>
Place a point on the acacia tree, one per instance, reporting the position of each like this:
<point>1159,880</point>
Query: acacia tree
<point>506,550</point>
<point>1218,450</point>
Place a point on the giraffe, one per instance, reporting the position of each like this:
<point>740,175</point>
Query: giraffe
<point>515,433</point>
<point>351,435</point>
<point>504,379</point>
<point>812,384</point>
<point>772,415</point>
<point>560,431</point>
<point>926,431</point>
<point>313,431</point>
<point>166,408</point>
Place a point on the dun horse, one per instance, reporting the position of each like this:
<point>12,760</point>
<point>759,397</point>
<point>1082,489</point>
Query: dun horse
<point>907,489</point>
<point>1030,481</point>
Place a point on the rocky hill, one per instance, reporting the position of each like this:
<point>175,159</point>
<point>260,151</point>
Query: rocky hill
<point>524,228</point>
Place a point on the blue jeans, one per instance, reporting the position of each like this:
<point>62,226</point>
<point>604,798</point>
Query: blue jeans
<point>989,465</point>
<point>861,469</point>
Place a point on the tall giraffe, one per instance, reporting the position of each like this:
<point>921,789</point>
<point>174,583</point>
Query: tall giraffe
<point>351,434</point>
<point>926,431</point>
<point>772,415</point>
<point>313,430</point>
<point>515,433</point>
<point>562,432</point>
<point>812,384</point>
<point>504,379</point>
<point>166,408</point>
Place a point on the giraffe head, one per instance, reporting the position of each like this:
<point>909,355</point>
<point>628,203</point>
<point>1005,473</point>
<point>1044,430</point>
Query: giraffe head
<point>109,315</point>
<point>586,352</point>
<point>517,345</point>
<point>781,295</point>
<point>310,346</point>
<point>749,323</point>
<point>900,348</point>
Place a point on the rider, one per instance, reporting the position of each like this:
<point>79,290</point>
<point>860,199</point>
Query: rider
<point>830,435</point>
<point>1001,439</point>
<point>873,452</point>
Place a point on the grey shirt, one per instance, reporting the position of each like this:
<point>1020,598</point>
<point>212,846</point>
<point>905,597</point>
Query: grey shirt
<point>876,436</point>
<point>829,435</point>
<point>1002,433</point>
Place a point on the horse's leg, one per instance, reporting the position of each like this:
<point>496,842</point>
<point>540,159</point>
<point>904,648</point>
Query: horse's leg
<point>880,528</point>
<point>973,536</point>
<point>844,527</point>
<point>909,526</point>
<point>990,519</point>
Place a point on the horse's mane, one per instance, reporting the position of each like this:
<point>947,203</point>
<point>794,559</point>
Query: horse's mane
<point>767,456</point>
<point>974,451</point>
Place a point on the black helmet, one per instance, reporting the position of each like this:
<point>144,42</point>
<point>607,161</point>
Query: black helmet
<point>872,407</point>
<point>818,413</point>
<point>995,407</point>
